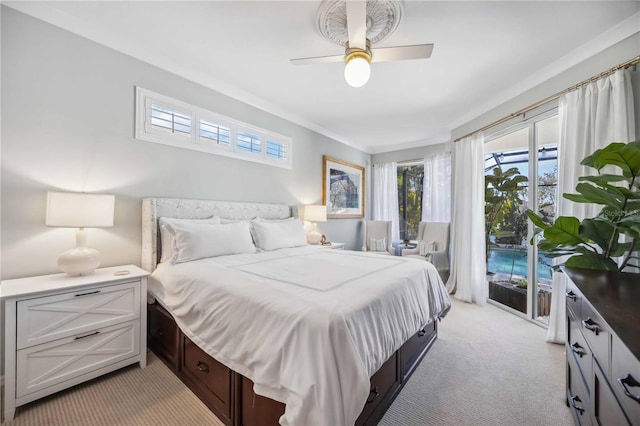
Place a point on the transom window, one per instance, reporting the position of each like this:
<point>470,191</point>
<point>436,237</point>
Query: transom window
<point>168,121</point>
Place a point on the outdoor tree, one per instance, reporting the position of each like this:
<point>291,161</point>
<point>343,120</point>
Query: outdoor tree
<point>502,196</point>
<point>410,199</point>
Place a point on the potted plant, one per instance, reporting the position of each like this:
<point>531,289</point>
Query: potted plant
<point>595,243</point>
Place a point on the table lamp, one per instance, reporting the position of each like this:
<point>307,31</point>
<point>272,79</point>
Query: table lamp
<point>79,210</point>
<point>313,214</point>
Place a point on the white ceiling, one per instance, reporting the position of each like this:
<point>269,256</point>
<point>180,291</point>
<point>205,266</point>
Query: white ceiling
<point>485,53</point>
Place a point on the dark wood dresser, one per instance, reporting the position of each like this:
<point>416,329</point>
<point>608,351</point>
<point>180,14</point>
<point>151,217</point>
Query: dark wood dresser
<point>603,347</point>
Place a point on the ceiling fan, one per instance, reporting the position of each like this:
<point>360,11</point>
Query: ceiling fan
<point>356,25</point>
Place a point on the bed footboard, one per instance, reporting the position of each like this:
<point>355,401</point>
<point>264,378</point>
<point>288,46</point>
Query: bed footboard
<point>230,395</point>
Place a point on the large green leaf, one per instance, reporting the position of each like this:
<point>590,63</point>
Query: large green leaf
<point>600,232</point>
<point>576,198</point>
<point>536,220</point>
<point>621,250</point>
<point>625,156</point>
<point>591,261</point>
<point>600,196</point>
<point>565,230</point>
<point>603,179</point>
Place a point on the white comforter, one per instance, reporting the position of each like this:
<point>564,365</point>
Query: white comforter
<point>308,325</point>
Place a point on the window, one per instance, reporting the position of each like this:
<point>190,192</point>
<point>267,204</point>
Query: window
<point>169,121</point>
<point>249,142</point>
<point>276,150</point>
<point>164,118</point>
<point>410,178</point>
<point>214,133</point>
<point>521,171</point>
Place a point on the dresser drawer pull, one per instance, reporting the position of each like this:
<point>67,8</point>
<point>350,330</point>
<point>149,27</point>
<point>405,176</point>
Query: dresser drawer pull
<point>574,402</point>
<point>87,335</point>
<point>202,367</point>
<point>571,295</point>
<point>590,324</point>
<point>577,349</point>
<point>373,395</point>
<point>422,332</point>
<point>86,294</point>
<point>629,381</point>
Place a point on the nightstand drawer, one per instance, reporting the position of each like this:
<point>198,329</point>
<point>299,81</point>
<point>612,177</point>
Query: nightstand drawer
<point>45,365</point>
<point>48,318</point>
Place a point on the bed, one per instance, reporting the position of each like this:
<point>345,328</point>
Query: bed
<point>294,335</point>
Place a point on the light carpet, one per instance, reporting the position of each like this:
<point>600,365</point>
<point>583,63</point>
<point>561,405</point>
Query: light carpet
<point>487,367</point>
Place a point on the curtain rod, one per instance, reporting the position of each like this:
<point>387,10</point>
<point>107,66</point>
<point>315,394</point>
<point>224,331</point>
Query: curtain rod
<point>627,64</point>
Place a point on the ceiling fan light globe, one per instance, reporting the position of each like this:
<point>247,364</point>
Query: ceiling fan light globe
<point>357,72</point>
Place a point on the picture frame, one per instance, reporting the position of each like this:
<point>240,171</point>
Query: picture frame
<point>342,188</point>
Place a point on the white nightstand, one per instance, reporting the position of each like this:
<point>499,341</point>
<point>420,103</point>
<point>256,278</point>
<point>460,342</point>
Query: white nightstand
<point>61,330</point>
<point>336,246</point>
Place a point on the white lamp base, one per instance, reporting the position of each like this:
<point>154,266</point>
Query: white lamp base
<point>79,261</point>
<point>314,237</point>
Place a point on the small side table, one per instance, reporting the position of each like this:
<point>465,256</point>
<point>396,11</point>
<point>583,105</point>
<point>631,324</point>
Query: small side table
<point>64,319</point>
<point>335,246</point>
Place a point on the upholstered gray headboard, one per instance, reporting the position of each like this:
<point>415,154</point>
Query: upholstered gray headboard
<point>155,208</point>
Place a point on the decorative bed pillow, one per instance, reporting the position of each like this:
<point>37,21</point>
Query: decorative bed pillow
<point>277,234</point>
<point>377,244</point>
<point>425,248</point>
<point>197,241</point>
<point>166,237</point>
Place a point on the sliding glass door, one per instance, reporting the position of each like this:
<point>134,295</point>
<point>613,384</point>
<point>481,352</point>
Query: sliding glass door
<point>521,172</point>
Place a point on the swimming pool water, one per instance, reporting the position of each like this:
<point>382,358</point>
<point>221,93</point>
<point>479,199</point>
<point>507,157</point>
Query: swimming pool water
<point>501,260</point>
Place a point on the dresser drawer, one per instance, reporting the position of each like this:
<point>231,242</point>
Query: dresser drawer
<point>606,409</point>
<point>577,345</point>
<point>48,364</point>
<point>598,336</point>
<point>625,379</point>
<point>212,377</point>
<point>577,395</point>
<point>574,298</point>
<point>48,318</point>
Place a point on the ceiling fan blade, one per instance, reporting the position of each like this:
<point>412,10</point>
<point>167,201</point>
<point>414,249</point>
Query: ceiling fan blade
<point>399,53</point>
<point>357,24</point>
<point>317,60</point>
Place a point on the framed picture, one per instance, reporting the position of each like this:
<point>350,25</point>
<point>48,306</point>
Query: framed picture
<point>342,188</point>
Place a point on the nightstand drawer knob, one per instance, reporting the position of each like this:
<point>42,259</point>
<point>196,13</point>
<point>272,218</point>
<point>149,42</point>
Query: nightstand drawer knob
<point>87,335</point>
<point>86,294</point>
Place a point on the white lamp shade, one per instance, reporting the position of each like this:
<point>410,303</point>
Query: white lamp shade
<point>79,210</point>
<point>313,213</point>
<point>357,72</point>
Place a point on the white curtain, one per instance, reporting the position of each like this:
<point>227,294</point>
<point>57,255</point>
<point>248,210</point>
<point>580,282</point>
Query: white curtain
<point>468,269</point>
<point>385,196</point>
<point>436,188</point>
<point>591,117</point>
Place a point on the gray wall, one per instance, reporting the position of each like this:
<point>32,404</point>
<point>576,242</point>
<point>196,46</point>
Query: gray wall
<point>68,124</point>
<point>411,153</point>
<point>614,55</point>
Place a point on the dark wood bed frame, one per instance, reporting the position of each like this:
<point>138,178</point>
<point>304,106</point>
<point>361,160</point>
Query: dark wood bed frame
<point>230,395</point>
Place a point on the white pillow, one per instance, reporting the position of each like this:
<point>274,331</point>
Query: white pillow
<point>196,241</point>
<point>166,237</point>
<point>377,244</point>
<point>425,248</point>
<point>273,235</point>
